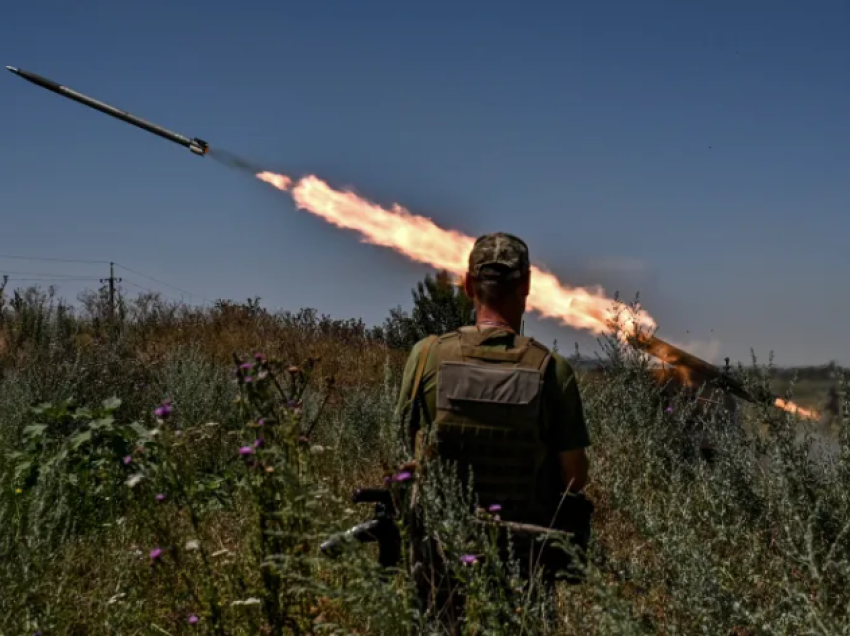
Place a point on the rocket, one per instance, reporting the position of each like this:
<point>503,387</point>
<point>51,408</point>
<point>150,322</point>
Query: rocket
<point>197,146</point>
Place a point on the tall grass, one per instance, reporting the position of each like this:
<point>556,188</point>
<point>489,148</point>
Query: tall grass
<point>148,486</point>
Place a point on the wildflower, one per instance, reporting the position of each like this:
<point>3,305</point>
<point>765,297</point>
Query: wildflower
<point>192,544</point>
<point>163,411</point>
<point>18,491</point>
<point>469,559</point>
<point>258,442</point>
<point>248,379</point>
<point>494,508</point>
<point>127,459</point>
<point>134,480</point>
<point>160,497</point>
<point>155,554</point>
<point>402,476</point>
<point>246,450</point>
<point>246,366</point>
<point>193,620</point>
<point>259,357</point>
<point>261,421</point>
<point>669,409</point>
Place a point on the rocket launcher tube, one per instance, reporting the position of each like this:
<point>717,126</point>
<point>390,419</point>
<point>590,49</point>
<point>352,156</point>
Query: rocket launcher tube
<point>698,371</point>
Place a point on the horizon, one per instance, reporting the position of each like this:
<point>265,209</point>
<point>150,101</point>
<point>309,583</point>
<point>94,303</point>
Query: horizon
<point>583,358</point>
<point>698,157</point>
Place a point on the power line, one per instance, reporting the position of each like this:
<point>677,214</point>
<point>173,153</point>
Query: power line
<point>55,260</point>
<point>52,274</point>
<point>156,280</point>
<point>70,277</point>
<point>149,290</point>
<point>49,280</point>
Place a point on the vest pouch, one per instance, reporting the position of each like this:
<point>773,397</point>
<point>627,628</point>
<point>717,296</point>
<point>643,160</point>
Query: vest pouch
<point>488,397</point>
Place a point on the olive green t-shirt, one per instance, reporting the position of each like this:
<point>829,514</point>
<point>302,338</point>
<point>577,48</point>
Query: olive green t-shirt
<point>567,430</point>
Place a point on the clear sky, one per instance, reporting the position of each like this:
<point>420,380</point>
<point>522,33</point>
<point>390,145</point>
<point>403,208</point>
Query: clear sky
<point>696,152</point>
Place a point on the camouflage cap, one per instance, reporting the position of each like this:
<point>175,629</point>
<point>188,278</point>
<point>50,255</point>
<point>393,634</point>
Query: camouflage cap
<point>507,252</point>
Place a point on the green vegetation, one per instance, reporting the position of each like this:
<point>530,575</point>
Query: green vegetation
<point>151,484</point>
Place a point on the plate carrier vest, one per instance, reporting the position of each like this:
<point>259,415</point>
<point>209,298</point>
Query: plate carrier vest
<point>490,414</point>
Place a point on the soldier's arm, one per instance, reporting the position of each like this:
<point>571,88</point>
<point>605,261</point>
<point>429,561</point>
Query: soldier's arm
<point>570,429</point>
<point>575,467</point>
<point>405,416</point>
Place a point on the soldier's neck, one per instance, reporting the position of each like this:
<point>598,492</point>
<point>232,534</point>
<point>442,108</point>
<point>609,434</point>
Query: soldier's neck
<point>491,316</point>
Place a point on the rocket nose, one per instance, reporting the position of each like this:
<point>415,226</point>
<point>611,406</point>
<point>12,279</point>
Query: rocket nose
<point>12,68</point>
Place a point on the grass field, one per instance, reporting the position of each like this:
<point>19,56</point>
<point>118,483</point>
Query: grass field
<point>154,485</point>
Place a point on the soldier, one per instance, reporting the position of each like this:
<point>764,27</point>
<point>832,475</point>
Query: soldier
<point>489,399</point>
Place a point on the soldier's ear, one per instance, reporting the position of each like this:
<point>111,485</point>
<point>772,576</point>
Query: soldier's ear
<point>526,284</point>
<point>467,286</point>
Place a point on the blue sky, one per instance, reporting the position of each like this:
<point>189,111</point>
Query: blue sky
<point>698,154</point>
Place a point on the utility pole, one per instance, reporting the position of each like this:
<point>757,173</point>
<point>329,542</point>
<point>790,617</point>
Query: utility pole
<point>111,280</point>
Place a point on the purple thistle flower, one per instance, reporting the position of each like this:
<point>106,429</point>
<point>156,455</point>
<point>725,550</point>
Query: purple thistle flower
<point>261,421</point>
<point>163,411</point>
<point>246,450</point>
<point>259,357</point>
<point>669,409</point>
<point>258,442</point>
<point>155,554</point>
<point>127,459</point>
<point>193,620</point>
<point>402,476</point>
<point>246,366</point>
<point>248,379</point>
<point>160,497</point>
<point>469,559</point>
<point>494,508</point>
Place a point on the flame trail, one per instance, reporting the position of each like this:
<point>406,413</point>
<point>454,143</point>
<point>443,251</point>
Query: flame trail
<point>421,240</point>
